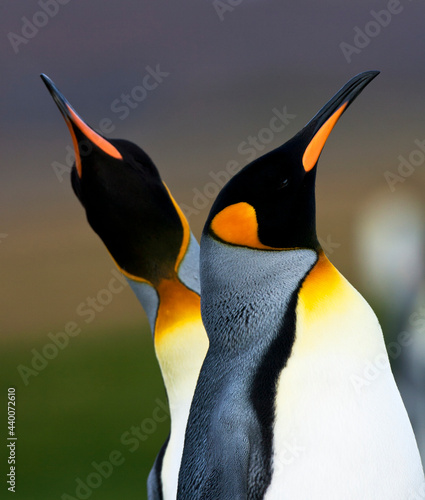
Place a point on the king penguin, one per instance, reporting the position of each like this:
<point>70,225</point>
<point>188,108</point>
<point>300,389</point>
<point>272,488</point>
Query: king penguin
<point>276,413</point>
<point>148,237</point>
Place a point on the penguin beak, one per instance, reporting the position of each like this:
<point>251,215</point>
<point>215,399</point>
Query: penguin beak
<point>77,126</point>
<point>318,129</point>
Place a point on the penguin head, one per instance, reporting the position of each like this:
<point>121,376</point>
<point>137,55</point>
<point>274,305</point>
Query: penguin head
<point>125,200</point>
<point>270,204</point>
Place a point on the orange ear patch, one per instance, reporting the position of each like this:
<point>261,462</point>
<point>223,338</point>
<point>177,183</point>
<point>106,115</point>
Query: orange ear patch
<point>313,150</point>
<point>237,224</point>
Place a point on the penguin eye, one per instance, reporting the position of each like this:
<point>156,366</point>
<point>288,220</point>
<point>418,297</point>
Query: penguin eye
<point>283,183</point>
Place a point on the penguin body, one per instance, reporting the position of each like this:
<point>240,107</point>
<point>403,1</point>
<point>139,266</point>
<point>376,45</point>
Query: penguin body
<point>277,413</point>
<point>149,238</point>
<point>352,435</point>
<point>241,373</point>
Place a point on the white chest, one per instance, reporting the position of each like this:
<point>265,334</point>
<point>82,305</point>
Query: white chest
<point>341,429</point>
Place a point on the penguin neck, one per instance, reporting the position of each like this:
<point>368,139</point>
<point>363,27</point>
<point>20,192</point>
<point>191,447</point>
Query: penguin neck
<point>180,341</point>
<point>181,344</point>
<point>246,293</point>
<point>179,336</point>
<point>173,311</point>
<point>325,302</point>
<point>323,281</point>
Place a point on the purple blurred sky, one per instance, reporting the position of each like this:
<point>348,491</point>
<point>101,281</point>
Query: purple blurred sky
<point>225,77</point>
<point>222,72</point>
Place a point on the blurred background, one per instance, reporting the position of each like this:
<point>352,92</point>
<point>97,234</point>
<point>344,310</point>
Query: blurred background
<point>224,69</point>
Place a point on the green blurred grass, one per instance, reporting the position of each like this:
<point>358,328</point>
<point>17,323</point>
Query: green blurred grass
<point>76,410</point>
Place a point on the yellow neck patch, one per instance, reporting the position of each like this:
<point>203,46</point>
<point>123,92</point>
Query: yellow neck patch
<point>178,306</point>
<point>180,346</point>
<point>237,224</point>
<point>333,319</point>
<point>322,310</point>
<point>321,283</point>
<point>313,150</point>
